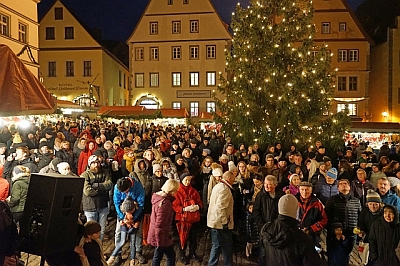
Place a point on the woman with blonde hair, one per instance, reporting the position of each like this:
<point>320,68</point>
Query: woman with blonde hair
<point>215,177</point>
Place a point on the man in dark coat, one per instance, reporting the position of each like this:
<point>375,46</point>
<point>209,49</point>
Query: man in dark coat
<point>278,238</point>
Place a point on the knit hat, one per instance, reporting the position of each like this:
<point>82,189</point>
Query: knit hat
<point>42,144</point>
<point>217,172</point>
<point>61,166</point>
<point>373,196</point>
<point>232,166</point>
<point>327,159</point>
<point>305,184</point>
<point>19,169</point>
<point>337,225</point>
<point>156,167</point>
<point>49,132</point>
<point>2,145</point>
<point>288,206</point>
<point>91,228</point>
<point>92,159</point>
<point>178,156</point>
<point>332,173</point>
<point>116,143</point>
<point>362,160</point>
<point>128,205</point>
<point>208,151</point>
<point>223,157</point>
<point>293,175</point>
<point>183,176</point>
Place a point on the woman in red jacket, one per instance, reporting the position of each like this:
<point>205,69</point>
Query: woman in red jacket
<point>89,150</point>
<point>187,207</point>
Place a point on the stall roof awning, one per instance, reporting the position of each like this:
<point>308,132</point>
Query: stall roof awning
<point>67,104</point>
<point>21,93</point>
<point>141,112</point>
<point>375,127</point>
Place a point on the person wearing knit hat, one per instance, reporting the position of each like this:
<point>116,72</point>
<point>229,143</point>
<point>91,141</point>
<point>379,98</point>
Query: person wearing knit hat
<point>278,238</point>
<point>157,167</point>
<point>206,152</point>
<point>65,169</point>
<point>90,241</point>
<point>294,182</point>
<point>92,159</point>
<point>232,166</point>
<point>332,173</point>
<point>185,175</point>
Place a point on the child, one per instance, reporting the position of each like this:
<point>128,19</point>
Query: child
<point>337,253</point>
<point>92,246</point>
<point>293,187</point>
<point>128,227</point>
<point>251,230</point>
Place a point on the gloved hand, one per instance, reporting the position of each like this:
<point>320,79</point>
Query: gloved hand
<point>194,208</point>
<point>187,209</point>
<point>95,185</point>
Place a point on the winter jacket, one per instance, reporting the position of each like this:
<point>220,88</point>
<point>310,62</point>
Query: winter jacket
<point>170,172</point>
<point>137,194</point>
<point>360,189</point>
<point>9,168</point>
<point>265,207</point>
<point>4,188</point>
<point>390,198</point>
<point>311,214</point>
<point>141,175</point>
<point>67,156</point>
<point>252,230</point>
<point>366,219</point>
<point>185,193</point>
<point>383,240</point>
<point>44,159</point>
<point>281,249</point>
<point>19,192</point>
<point>153,185</point>
<point>95,190</point>
<point>324,191</point>
<point>127,165</point>
<point>220,209</point>
<point>84,157</point>
<point>8,232</point>
<point>345,209</point>
<point>161,218</point>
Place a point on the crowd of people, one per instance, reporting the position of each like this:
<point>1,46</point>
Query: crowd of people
<point>154,178</point>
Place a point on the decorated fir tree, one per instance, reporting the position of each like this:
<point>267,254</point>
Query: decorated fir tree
<point>280,84</point>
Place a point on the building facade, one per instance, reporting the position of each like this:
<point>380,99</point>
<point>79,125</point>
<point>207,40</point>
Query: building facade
<point>19,30</point>
<point>74,63</point>
<point>176,55</point>
<point>338,27</point>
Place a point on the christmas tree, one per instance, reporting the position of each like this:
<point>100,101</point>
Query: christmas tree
<point>280,84</point>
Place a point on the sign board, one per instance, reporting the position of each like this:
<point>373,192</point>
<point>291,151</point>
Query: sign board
<point>193,94</point>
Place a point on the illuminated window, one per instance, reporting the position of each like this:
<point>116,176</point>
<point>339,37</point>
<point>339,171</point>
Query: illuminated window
<point>176,79</point>
<point>194,78</point>
<point>352,108</point>
<point>176,105</point>
<point>139,80</point>
<point>139,53</point>
<point>194,109</point>
<point>153,53</point>
<point>211,77</point>
<point>210,107</point>
<point>153,79</point>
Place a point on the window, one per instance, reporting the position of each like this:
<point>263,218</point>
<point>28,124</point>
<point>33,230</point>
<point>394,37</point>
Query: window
<point>194,78</point>
<point>352,108</point>
<point>342,26</point>
<point>211,78</point>
<point>119,78</point>
<point>342,55</point>
<point>210,107</point>
<point>176,52</point>
<point>22,29</point>
<point>124,81</point>
<point>139,53</point>
<point>176,105</point>
<point>314,53</point>
<point>153,79</point>
<point>58,13</point>
<point>186,1</point>
<point>153,28</point>
<point>52,69</point>
<point>353,83</point>
<point>326,27</point>
<point>194,108</point>
<point>139,80</point>
<point>69,33</point>
<point>170,2</point>
<point>342,82</point>
<point>50,34</point>
<point>353,55</point>
<point>4,25</point>
<point>194,26</point>
<point>210,51</point>
<point>176,27</point>
<point>87,68</point>
<point>153,53</point>
<point>194,52</point>
<point>176,79</point>
<point>70,68</point>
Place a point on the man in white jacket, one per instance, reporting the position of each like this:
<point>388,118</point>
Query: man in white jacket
<point>220,220</point>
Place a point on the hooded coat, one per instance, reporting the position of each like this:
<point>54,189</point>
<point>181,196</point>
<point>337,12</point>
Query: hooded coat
<point>19,192</point>
<point>84,157</point>
<point>170,172</point>
<point>162,215</point>
<point>141,174</point>
<point>280,249</point>
<point>383,240</point>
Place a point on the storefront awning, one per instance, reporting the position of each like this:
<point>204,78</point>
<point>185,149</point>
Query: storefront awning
<point>375,127</point>
<point>141,112</point>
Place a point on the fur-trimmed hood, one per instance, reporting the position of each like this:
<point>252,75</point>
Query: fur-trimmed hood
<point>21,177</point>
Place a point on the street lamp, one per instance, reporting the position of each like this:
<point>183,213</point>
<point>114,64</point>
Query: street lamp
<point>385,115</point>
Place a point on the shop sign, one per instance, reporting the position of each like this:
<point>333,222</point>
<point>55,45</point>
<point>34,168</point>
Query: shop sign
<point>193,94</point>
<point>66,87</point>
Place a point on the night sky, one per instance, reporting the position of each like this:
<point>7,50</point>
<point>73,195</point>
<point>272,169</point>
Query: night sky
<point>117,18</point>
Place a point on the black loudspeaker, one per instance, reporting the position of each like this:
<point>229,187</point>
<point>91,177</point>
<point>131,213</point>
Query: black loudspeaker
<point>49,224</point>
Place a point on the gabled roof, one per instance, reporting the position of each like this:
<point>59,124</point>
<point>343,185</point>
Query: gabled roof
<point>94,33</point>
